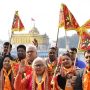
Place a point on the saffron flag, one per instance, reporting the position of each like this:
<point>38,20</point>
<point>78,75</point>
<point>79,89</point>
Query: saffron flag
<point>17,23</point>
<point>84,41</point>
<point>86,25</point>
<point>67,19</point>
<point>61,18</point>
<point>80,30</point>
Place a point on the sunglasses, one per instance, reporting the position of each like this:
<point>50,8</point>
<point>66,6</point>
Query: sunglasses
<point>87,57</point>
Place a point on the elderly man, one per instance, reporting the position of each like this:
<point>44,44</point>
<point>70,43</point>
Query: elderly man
<point>31,54</point>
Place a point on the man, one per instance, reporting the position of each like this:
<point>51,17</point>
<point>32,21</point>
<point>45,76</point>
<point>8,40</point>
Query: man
<point>76,61</point>
<point>83,76</point>
<point>52,55</point>
<point>31,54</point>
<point>21,55</point>
<point>21,60</point>
<point>21,52</point>
<point>7,47</point>
<point>52,60</point>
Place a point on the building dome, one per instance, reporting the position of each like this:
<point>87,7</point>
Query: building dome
<point>34,30</point>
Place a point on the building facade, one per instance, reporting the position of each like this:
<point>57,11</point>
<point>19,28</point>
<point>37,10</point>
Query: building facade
<point>27,39</point>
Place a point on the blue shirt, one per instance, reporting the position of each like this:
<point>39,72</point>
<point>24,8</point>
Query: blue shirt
<point>80,63</point>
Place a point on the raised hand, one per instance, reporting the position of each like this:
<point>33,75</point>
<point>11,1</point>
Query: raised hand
<point>22,67</point>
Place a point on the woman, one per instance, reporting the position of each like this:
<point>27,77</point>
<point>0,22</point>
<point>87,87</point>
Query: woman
<point>66,76</point>
<point>6,75</point>
<point>38,80</point>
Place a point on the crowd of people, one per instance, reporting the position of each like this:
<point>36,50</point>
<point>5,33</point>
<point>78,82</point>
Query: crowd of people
<point>30,72</point>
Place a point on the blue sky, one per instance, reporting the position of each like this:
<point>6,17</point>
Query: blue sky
<point>45,13</point>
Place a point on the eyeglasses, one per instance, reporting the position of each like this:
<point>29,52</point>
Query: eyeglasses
<point>87,57</point>
<point>39,65</point>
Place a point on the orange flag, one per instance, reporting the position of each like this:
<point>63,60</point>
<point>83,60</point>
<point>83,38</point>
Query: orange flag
<point>67,19</point>
<point>84,27</point>
<point>87,25</point>
<point>17,23</point>
<point>84,41</point>
<point>61,17</point>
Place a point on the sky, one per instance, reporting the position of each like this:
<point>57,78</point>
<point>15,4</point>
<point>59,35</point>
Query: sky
<point>45,13</point>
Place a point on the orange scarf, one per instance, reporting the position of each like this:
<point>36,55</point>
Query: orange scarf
<point>69,70</point>
<point>51,67</point>
<point>68,81</point>
<point>86,81</point>
<point>39,84</point>
<point>7,84</point>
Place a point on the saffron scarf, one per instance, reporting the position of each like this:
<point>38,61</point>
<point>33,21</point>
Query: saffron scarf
<point>7,83</point>
<point>1,80</point>
<point>43,85</point>
<point>51,67</point>
<point>39,84</point>
<point>68,81</point>
<point>86,80</point>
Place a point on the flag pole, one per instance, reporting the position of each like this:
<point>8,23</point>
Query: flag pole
<point>55,71</point>
<point>57,41</point>
<point>10,35</point>
<point>67,46</point>
<point>79,32</point>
